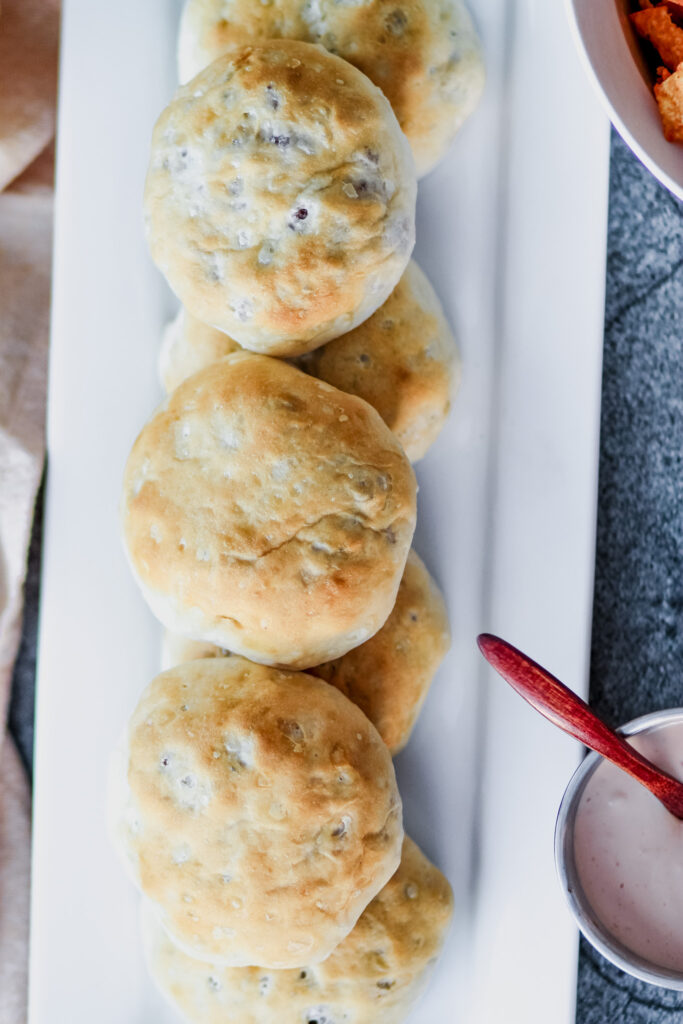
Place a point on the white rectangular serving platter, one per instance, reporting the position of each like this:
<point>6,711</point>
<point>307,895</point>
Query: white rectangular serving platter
<point>511,230</point>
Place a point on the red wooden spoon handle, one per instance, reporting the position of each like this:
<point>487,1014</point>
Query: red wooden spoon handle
<point>565,709</point>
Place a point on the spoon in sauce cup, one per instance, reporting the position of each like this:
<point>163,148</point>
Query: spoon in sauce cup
<point>565,709</point>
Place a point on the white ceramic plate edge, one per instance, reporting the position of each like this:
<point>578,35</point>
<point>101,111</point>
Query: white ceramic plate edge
<point>524,431</point>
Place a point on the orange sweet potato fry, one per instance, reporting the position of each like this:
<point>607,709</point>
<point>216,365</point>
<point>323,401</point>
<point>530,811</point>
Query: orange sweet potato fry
<point>675,8</point>
<point>656,25</point>
<point>669,95</point>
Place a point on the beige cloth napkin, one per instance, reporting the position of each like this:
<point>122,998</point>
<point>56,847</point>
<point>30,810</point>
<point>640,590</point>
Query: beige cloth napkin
<point>28,66</point>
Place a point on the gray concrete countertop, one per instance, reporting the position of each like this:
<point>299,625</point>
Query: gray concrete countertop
<point>637,646</point>
<point>637,655</point>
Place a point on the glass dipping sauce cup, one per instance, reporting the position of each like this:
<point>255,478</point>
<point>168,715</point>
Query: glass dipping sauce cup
<point>588,921</point>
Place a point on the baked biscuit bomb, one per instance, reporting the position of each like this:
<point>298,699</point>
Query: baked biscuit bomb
<point>188,346</point>
<point>423,54</point>
<point>280,196</point>
<point>268,513</point>
<point>389,675</point>
<point>403,360</point>
<point>373,977</point>
<point>263,813</point>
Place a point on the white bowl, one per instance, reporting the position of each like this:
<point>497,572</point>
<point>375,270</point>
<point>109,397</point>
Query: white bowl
<point>615,63</point>
<point>588,921</point>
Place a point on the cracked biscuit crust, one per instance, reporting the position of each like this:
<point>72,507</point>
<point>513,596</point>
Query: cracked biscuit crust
<point>376,974</point>
<point>263,812</point>
<point>423,54</point>
<point>280,196</point>
<point>268,513</point>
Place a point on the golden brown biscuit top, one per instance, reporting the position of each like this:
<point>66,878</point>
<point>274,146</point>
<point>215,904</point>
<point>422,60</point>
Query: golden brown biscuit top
<point>389,675</point>
<point>263,496</point>
<point>265,811</point>
<point>280,195</point>
<point>403,360</point>
<point>373,976</point>
<point>423,54</point>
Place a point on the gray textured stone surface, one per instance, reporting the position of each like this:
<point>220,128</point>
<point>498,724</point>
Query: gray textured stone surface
<point>637,649</point>
<point>637,658</point>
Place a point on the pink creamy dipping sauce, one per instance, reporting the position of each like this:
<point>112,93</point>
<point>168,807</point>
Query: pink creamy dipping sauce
<point>628,852</point>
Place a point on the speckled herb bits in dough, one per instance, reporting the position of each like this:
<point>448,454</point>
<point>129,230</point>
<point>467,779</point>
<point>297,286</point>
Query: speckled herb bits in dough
<point>388,676</point>
<point>403,360</point>
<point>423,54</point>
<point>373,977</point>
<point>268,509</point>
<point>280,196</point>
<point>268,513</point>
<point>262,812</point>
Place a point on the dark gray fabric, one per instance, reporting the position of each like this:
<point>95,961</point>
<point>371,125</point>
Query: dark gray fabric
<point>23,683</point>
<point>637,647</point>
<point>637,657</point>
